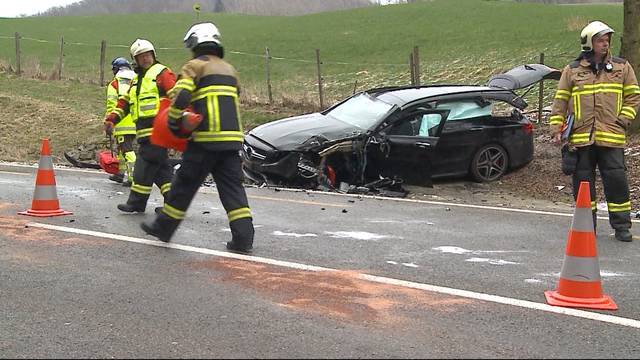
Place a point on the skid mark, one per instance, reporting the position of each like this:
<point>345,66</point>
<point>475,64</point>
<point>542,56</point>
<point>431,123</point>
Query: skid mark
<point>337,294</point>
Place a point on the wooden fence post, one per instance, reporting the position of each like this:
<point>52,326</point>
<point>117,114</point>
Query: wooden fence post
<point>416,63</point>
<point>319,79</point>
<point>412,69</point>
<point>541,92</point>
<point>267,59</point>
<point>60,63</point>
<point>103,49</point>
<point>18,69</point>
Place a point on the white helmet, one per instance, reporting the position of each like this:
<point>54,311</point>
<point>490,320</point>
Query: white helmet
<point>593,29</point>
<point>141,46</point>
<point>202,33</point>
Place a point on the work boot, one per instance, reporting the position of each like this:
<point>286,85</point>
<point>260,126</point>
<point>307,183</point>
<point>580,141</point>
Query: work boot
<point>126,183</point>
<point>624,235</point>
<point>154,229</point>
<point>129,208</point>
<point>233,247</point>
<point>119,178</point>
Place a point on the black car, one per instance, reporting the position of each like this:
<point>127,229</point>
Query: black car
<point>408,134</point>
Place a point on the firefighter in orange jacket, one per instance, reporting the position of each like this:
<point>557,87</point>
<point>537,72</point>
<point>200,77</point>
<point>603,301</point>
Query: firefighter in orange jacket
<point>210,86</point>
<point>150,85</point>
<point>604,96</point>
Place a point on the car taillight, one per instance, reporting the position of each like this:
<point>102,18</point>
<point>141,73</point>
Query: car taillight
<point>527,128</point>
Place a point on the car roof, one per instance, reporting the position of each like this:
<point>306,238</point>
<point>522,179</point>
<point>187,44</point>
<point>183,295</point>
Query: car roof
<point>403,95</point>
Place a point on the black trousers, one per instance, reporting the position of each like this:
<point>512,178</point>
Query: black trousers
<point>151,168</point>
<point>226,169</point>
<point>610,162</point>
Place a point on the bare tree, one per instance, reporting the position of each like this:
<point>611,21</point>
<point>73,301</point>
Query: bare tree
<point>631,35</point>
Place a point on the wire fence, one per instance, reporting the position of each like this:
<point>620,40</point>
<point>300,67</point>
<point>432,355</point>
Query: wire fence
<point>313,82</point>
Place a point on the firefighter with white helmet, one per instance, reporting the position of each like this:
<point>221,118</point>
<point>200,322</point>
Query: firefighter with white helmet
<point>600,93</point>
<point>210,86</point>
<point>150,85</point>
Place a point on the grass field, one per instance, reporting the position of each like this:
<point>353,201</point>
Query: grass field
<point>460,41</point>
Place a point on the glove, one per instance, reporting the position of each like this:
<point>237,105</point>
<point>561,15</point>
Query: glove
<point>175,128</point>
<point>108,127</point>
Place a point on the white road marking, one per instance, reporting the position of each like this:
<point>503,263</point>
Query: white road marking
<point>358,235</point>
<point>532,281</point>
<point>280,233</point>
<point>491,261</point>
<point>377,279</point>
<point>411,265</point>
<point>392,262</point>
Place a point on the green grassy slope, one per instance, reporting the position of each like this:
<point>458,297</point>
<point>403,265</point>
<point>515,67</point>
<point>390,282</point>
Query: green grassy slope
<point>459,41</point>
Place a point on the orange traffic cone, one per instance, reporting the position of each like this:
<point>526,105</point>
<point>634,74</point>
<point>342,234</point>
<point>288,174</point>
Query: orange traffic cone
<point>45,198</point>
<point>579,284</point>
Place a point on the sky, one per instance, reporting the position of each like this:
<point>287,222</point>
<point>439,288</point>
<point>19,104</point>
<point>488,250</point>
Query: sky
<point>14,8</point>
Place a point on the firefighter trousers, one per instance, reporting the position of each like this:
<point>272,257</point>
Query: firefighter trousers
<point>610,162</point>
<point>226,169</point>
<point>126,155</point>
<point>151,168</point>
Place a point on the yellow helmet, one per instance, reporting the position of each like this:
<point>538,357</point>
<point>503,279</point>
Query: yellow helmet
<point>141,46</point>
<point>593,29</point>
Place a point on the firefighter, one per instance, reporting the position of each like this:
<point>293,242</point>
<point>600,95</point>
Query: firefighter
<point>149,86</point>
<point>210,85</point>
<point>602,94</point>
<point>125,131</point>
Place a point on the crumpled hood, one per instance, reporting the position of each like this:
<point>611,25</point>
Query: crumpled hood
<point>290,133</point>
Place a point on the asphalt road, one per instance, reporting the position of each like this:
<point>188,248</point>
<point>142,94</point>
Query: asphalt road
<point>330,277</point>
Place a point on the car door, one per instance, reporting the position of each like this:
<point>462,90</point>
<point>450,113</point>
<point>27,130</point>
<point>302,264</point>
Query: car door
<point>409,146</point>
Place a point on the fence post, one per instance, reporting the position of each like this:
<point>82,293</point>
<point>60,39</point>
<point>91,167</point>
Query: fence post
<point>19,71</point>
<point>267,59</point>
<point>412,69</point>
<point>541,92</point>
<point>319,79</point>
<point>103,49</point>
<point>416,63</point>
<point>60,63</point>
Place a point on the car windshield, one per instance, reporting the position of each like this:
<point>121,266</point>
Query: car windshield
<point>362,111</point>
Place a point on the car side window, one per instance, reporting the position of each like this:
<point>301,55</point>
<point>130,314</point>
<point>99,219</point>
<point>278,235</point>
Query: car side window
<point>417,125</point>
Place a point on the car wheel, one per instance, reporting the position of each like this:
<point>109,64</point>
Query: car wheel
<point>489,163</point>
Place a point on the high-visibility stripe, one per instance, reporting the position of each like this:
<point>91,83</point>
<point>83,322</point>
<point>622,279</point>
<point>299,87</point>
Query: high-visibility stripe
<point>630,110</point>
<point>556,120</point>
<point>165,187</point>
<point>627,115</point>
<point>240,213</point>
<point>144,132</point>
<point>202,136</point>
<point>582,220</point>
<point>141,189</point>
<point>216,109</point>
<point>594,206</point>
<point>119,112</point>
<point>598,86</point>
<point>583,269</point>
<point>610,137</point>
<point>45,192</point>
<point>579,138</point>
<point>118,129</point>
<point>186,84</point>
<point>597,91</point>
<point>175,112</point>
<point>173,212</point>
<point>223,88</point>
<point>631,89</point>
<point>613,207</point>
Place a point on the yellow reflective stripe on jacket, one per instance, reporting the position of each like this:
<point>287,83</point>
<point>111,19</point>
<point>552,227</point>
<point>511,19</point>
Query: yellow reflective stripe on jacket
<point>594,206</point>
<point>629,112</point>
<point>556,120</point>
<point>610,137</point>
<point>240,213</point>
<point>215,90</point>
<point>625,206</point>
<point>212,136</point>
<point>579,138</point>
<point>576,106</point>
<point>175,112</point>
<point>631,89</point>
<point>146,102</point>
<point>563,94</point>
<point>186,84</point>
<point>144,132</point>
<point>597,86</point>
<point>141,189</point>
<point>172,212</point>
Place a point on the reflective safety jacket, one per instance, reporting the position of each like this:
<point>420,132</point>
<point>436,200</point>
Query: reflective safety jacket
<point>118,87</point>
<point>210,85</point>
<point>143,100</point>
<point>603,102</point>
